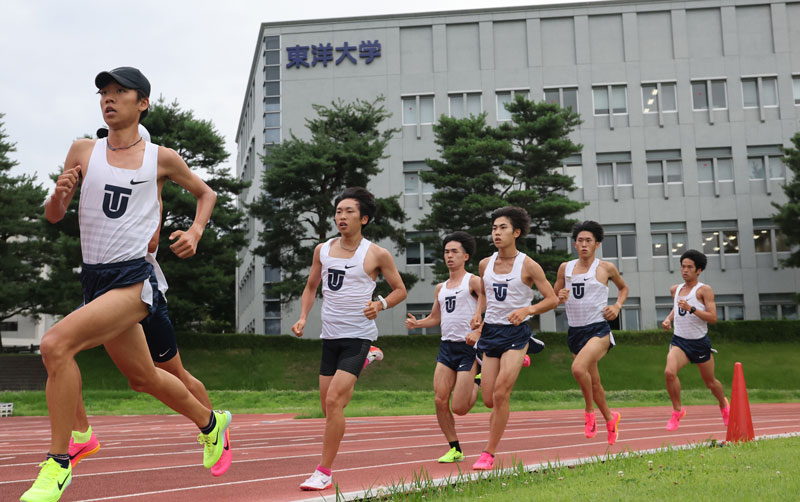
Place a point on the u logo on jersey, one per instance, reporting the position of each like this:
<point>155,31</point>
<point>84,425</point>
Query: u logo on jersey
<point>500,290</point>
<point>578,290</point>
<point>449,304</point>
<point>115,201</point>
<point>335,279</point>
<point>681,312</point>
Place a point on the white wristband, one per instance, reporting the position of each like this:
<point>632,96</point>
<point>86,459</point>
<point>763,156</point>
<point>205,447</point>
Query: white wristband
<point>383,302</point>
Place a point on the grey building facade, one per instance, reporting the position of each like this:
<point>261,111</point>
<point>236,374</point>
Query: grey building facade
<point>685,106</point>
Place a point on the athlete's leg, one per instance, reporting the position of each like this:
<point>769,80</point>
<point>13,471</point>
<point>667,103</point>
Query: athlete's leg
<point>489,371</point>
<point>676,360</point>
<point>510,365</point>
<point>337,396</point>
<point>465,392</point>
<point>89,326</point>
<point>584,361</point>
<point>714,385</point>
<point>598,393</point>
<point>444,379</point>
<point>195,386</point>
<point>81,423</point>
<point>130,353</point>
<point>324,383</point>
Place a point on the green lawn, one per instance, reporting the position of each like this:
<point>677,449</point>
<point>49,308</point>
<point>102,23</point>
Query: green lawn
<point>758,470</point>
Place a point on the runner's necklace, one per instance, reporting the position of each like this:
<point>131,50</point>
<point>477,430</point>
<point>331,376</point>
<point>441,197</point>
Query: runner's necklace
<point>341,246</point>
<point>123,147</point>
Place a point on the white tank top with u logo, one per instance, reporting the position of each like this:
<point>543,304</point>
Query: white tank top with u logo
<point>457,306</point>
<point>688,325</point>
<point>118,211</point>
<point>505,293</point>
<point>587,296</point>
<point>346,289</point>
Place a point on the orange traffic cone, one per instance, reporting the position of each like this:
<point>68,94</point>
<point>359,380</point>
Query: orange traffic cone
<point>740,423</point>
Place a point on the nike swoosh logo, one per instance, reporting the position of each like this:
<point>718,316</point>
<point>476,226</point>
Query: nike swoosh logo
<point>349,266</point>
<point>227,446</point>
<point>216,439</point>
<point>586,278</point>
<point>163,353</point>
<point>138,182</point>
<point>61,483</point>
<point>459,291</point>
<point>508,280</point>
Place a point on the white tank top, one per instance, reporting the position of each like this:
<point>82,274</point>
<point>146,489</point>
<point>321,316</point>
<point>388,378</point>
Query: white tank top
<point>346,289</point>
<point>505,293</point>
<point>688,325</point>
<point>587,296</point>
<point>118,210</point>
<point>457,306</point>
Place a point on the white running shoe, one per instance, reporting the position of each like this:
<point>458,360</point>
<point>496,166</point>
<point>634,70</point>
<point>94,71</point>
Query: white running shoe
<point>317,481</point>
<point>374,354</point>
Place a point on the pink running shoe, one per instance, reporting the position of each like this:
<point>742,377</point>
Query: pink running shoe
<point>613,427</point>
<point>79,451</point>
<point>374,354</point>
<point>675,419</point>
<point>589,425</point>
<point>221,467</point>
<point>726,414</point>
<point>527,361</point>
<point>485,462</point>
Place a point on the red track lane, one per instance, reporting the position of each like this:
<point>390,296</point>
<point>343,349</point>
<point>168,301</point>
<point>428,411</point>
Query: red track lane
<point>156,458</point>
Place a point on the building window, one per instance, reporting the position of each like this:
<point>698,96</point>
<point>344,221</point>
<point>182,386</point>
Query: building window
<point>628,318</point>
<point>421,310</point>
<point>417,252</point>
<point>572,166</point>
<point>272,301</point>
<point>564,243</point>
<point>714,165</point>
<point>619,241</point>
<point>9,326</point>
<point>760,92</point>
<point>767,237</point>
<point>659,97</point>
<point>668,240</point>
<point>766,162</point>
<point>729,307</point>
<point>610,99</point>
<point>778,306</point>
<point>562,323</point>
<point>664,305</point>
<point>720,237</point>
<point>464,104</point>
<point>272,90</point>
<point>504,98</point>
<point>664,166</point>
<point>565,97</point>
<point>614,170</point>
<point>413,182</point>
<point>418,109</point>
<point>796,88</point>
<point>709,91</point>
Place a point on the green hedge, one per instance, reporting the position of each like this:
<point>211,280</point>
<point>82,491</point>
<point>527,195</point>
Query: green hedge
<point>724,331</point>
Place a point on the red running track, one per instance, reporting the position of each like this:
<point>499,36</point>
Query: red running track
<point>156,458</point>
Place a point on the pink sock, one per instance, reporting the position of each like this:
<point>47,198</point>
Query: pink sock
<point>324,470</point>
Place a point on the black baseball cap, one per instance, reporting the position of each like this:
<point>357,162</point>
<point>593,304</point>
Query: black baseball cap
<point>126,76</point>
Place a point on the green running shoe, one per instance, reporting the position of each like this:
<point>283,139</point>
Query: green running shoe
<point>50,484</point>
<point>214,442</point>
<point>451,456</point>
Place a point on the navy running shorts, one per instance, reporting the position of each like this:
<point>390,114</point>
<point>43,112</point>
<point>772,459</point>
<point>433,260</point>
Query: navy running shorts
<point>100,278</point>
<point>698,351</point>
<point>346,354</point>
<point>578,336</point>
<point>458,356</point>
<point>496,339</point>
<point>159,333</point>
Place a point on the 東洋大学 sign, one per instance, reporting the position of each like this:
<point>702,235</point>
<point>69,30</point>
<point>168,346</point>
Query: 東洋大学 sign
<point>297,56</point>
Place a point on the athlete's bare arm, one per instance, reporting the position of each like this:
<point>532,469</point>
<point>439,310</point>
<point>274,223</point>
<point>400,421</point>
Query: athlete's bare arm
<point>310,292</point>
<point>433,319</point>
<point>706,296</point>
<point>56,205</point>
<point>172,166</point>
<point>610,312</point>
<point>667,323</point>
<point>380,260</point>
<point>476,288</point>
<point>533,272</point>
<point>561,281</point>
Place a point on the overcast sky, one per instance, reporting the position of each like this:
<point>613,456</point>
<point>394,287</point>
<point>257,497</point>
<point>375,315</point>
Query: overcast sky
<point>196,51</point>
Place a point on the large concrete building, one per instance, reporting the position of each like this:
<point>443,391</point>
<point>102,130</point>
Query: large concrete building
<point>685,106</point>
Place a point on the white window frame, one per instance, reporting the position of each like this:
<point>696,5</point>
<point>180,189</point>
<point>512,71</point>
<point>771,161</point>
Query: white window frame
<point>616,233</point>
<point>670,232</point>
<point>561,89</point>
<point>422,264</point>
<point>721,230</point>
<point>463,95</point>
<point>796,88</point>
<point>512,92</point>
<point>659,100</point>
<point>419,123</point>
<point>772,230</point>
<point>631,304</point>
<point>714,169</point>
